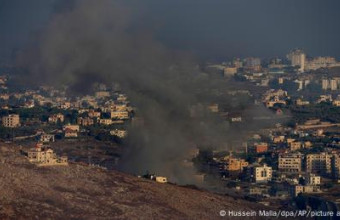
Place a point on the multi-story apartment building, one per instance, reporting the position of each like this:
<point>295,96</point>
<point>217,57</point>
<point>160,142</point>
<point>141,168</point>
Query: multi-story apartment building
<point>11,121</point>
<point>85,121</point>
<point>298,59</point>
<point>295,145</point>
<point>290,163</point>
<point>321,62</point>
<point>56,118</point>
<point>319,163</point>
<point>235,164</point>
<point>253,63</point>
<point>120,115</point>
<point>94,114</point>
<point>336,166</point>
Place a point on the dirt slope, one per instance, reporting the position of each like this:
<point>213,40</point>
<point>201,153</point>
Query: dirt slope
<point>82,192</point>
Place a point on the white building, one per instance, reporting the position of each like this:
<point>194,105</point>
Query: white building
<point>119,133</point>
<point>312,179</point>
<point>290,163</point>
<point>321,62</point>
<point>11,121</point>
<point>325,84</point>
<point>43,156</point>
<point>262,174</point>
<point>297,58</point>
<point>333,84</point>
<point>120,115</point>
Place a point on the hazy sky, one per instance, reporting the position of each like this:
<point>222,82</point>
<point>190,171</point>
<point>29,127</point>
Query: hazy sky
<point>212,29</point>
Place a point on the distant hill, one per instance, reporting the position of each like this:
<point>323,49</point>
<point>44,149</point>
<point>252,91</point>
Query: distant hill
<point>81,192</point>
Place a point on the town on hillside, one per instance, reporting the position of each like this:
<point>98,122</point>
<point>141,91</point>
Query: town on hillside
<point>290,158</point>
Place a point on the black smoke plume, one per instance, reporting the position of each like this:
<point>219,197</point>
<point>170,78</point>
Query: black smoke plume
<point>106,41</point>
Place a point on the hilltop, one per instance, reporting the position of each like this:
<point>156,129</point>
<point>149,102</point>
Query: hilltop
<point>82,192</point>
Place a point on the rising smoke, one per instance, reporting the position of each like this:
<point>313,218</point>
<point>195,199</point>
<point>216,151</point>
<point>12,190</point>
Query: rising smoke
<point>105,41</point>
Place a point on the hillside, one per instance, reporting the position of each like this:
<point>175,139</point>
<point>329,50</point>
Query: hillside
<point>82,192</point>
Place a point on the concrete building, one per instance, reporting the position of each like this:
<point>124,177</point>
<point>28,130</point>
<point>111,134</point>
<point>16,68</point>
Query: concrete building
<point>301,102</point>
<point>260,148</point>
<point>65,105</point>
<point>237,62</point>
<point>120,107</point>
<point>158,179</point>
<point>295,145</point>
<point>330,84</point>
<point>56,118</point>
<point>213,108</point>
<point>273,101</point>
<point>300,84</point>
<point>336,166</point>
<point>258,191</point>
<point>307,144</point>
<point>120,115</point>
<point>11,121</point>
<point>320,163</point>
<point>105,121</point>
<point>87,121</point>
<point>122,98</point>
<point>70,133</point>
<point>119,133</point>
<point>333,84</point>
<point>262,174</point>
<point>290,163</point>
<point>298,59</point>
<point>235,164</point>
<point>325,84</point>
<point>281,80</point>
<point>325,98</point>
<point>94,114</point>
<point>72,127</point>
<point>236,119</point>
<point>43,156</point>
<point>312,179</point>
<point>252,64</point>
<point>290,140</point>
<point>102,94</point>
<point>46,138</point>
<point>279,139</point>
<point>229,71</point>
<point>336,102</point>
<point>309,189</point>
<point>321,62</point>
